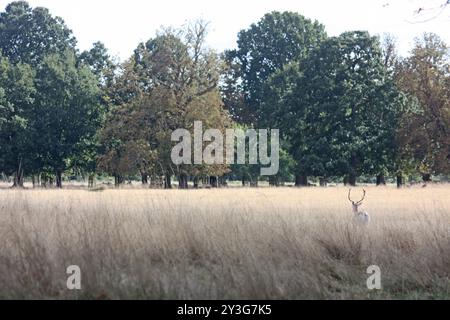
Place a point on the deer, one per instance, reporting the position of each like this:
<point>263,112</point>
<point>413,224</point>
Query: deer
<point>361,217</point>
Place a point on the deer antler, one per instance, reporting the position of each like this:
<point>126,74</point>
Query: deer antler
<point>364,195</point>
<point>349,199</point>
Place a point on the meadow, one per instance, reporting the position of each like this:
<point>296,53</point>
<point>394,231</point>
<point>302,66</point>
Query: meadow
<point>233,243</point>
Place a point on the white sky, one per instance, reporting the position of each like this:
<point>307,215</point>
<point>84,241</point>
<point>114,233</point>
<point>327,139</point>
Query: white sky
<point>122,24</point>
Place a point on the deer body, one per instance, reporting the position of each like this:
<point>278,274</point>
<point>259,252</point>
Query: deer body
<point>360,217</point>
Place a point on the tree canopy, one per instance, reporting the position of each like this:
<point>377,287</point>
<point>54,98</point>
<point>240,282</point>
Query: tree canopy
<point>346,106</point>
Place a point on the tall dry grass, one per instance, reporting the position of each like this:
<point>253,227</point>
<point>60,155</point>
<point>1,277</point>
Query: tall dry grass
<point>224,244</point>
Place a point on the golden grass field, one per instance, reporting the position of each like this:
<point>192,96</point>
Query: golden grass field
<point>265,243</point>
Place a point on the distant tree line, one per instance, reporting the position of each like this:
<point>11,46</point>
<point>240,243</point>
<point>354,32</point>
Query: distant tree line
<point>346,106</point>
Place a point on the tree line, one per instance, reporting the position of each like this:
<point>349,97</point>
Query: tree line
<point>346,106</point>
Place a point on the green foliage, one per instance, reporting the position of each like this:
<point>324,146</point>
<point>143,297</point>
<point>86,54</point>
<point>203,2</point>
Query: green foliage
<point>345,106</point>
<point>100,62</point>
<point>16,99</point>
<point>277,39</point>
<point>66,106</point>
<point>338,108</point>
<point>27,35</point>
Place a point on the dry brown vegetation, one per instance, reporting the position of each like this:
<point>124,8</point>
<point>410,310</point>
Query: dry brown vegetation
<point>262,243</point>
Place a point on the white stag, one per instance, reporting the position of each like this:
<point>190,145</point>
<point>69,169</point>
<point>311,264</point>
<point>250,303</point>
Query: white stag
<point>361,217</point>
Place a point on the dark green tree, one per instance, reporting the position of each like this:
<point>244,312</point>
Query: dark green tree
<point>276,40</point>
<point>339,108</point>
<point>67,111</point>
<point>28,34</point>
<point>105,69</point>
<point>16,99</point>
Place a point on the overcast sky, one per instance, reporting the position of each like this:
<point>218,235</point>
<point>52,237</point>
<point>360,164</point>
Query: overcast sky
<point>122,24</point>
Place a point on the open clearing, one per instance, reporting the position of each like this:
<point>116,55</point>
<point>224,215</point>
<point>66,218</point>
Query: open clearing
<point>277,243</point>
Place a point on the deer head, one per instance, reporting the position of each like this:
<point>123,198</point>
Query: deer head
<point>356,204</point>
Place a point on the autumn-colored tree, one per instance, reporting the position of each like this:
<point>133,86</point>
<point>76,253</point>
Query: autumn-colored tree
<point>171,81</point>
<point>425,76</point>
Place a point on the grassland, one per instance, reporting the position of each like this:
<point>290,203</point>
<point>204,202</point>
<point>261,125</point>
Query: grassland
<point>283,243</point>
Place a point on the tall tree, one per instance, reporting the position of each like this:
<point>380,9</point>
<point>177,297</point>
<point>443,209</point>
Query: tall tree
<point>425,75</point>
<point>61,116</point>
<point>100,62</point>
<point>28,34</point>
<point>338,108</point>
<point>171,81</point>
<point>67,109</point>
<point>16,99</point>
<point>232,90</point>
<point>105,69</point>
<point>277,39</point>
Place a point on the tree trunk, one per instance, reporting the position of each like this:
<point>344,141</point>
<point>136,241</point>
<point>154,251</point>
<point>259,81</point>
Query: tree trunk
<point>323,182</point>
<point>18,176</point>
<point>254,182</point>
<point>381,181</point>
<point>59,179</point>
<point>196,182</point>
<point>18,179</point>
<point>144,178</point>
<point>44,180</point>
<point>91,181</point>
<point>274,181</point>
<point>118,180</point>
<point>352,179</point>
<point>426,177</point>
<point>155,181</point>
<point>223,182</point>
<point>185,181</point>
<point>36,180</point>
<point>243,181</point>
<point>399,181</point>
<point>167,182</point>
<point>182,181</point>
<point>213,181</point>
<point>301,180</point>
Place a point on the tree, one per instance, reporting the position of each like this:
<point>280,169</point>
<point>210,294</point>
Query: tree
<point>134,140</point>
<point>104,68</point>
<point>170,82</point>
<point>232,90</point>
<point>67,111</point>
<point>27,35</point>
<point>16,99</point>
<point>62,119</point>
<point>276,40</point>
<point>404,161</point>
<point>425,76</point>
<point>338,108</point>
<point>100,62</point>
